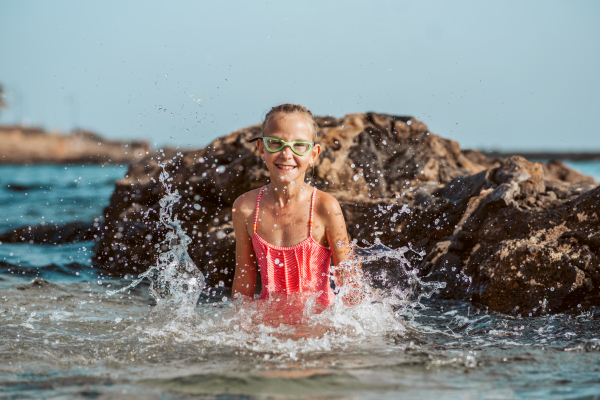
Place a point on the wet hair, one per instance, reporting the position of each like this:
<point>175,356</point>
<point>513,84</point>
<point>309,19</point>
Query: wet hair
<point>288,108</point>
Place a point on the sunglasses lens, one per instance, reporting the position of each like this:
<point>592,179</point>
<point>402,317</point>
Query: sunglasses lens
<point>273,144</point>
<point>301,147</point>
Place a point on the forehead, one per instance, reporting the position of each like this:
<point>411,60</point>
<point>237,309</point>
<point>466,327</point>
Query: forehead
<point>289,126</point>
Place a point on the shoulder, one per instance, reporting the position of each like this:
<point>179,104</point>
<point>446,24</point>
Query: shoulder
<point>246,203</point>
<point>327,207</point>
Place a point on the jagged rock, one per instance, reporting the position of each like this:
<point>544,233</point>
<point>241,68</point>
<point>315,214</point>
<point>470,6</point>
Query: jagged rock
<point>511,253</point>
<point>529,260</point>
<point>475,217</point>
<point>367,158</point>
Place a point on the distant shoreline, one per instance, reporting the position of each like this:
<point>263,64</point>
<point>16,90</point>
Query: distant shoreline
<point>33,145</point>
<point>545,155</point>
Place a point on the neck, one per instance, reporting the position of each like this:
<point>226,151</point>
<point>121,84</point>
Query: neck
<point>284,192</point>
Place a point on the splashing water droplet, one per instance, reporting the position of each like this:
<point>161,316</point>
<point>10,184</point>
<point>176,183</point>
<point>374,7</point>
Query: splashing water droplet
<point>175,278</point>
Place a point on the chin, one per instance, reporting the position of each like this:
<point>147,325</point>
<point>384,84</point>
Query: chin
<point>285,176</point>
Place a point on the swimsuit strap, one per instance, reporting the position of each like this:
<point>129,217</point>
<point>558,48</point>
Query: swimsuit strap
<point>257,205</point>
<point>312,204</point>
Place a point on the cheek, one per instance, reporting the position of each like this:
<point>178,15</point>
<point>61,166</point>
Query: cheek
<point>269,158</point>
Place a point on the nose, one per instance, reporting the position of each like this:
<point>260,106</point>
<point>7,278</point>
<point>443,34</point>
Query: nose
<point>286,152</point>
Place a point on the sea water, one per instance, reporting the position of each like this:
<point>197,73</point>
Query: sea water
<point>63,336</point>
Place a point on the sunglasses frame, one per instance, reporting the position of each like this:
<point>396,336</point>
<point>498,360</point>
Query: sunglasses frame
<point>290,144</point>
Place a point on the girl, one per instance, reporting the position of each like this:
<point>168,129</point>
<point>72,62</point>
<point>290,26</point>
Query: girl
<point>290,229</point>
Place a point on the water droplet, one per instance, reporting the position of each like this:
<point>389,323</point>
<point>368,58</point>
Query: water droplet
<point>277,261</point>
<point>197,206</point>
<point>221,169</point>
<point>470,362</point>
<point>355,177</point>
<point>221,235</point>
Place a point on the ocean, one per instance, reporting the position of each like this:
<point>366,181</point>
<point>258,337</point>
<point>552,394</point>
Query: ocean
<point>63,336</point>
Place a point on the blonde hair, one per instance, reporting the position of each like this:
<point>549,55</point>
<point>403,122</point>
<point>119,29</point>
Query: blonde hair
<point>288,108</point>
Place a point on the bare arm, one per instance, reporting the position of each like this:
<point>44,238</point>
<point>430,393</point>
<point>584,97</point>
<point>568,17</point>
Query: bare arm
<point>244,281</point>
<point>335,230</point>
<point>349,275</point>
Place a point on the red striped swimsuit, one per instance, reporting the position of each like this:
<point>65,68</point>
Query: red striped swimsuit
<point>303,268</point>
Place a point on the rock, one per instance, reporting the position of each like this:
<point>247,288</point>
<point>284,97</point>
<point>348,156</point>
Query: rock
<point>21,145</point>
<point>557,170</point>
<point>76,231</point>
<point>366,159</point>
<point>539,260</point>
<point>529,176</point>
<point>495,230</point>
<point>523,252</point>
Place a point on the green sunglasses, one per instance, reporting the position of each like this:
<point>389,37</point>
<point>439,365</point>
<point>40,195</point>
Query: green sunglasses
<point>273,145</point>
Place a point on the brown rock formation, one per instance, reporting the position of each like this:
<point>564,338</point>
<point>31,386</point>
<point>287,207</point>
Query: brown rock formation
<point>558,171</point>
<point>71,232</point>
<point>471,213</point>
<point>521,247</point>
<point>20,145</point>
<point>366,157</point>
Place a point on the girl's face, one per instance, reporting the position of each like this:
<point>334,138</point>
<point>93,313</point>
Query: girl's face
<point>285,165</point>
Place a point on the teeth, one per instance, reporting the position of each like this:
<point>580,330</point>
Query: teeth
<point>286,167</point>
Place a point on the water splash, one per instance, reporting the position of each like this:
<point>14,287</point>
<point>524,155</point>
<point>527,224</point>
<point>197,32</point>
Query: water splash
<point>175,278</point>
<point>390,277</point>
<point>367,304</point>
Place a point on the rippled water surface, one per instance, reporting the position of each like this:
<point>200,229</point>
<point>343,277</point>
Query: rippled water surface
<point>62,337</point>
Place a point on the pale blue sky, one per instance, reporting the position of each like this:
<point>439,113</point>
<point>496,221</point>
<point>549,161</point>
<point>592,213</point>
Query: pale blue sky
<point>492,75</point>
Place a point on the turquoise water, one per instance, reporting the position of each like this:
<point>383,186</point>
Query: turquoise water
<point>62,337</point>
<point>45,194</point>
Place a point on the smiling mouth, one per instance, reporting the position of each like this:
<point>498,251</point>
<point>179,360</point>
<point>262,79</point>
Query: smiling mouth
<point>285,167</point>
